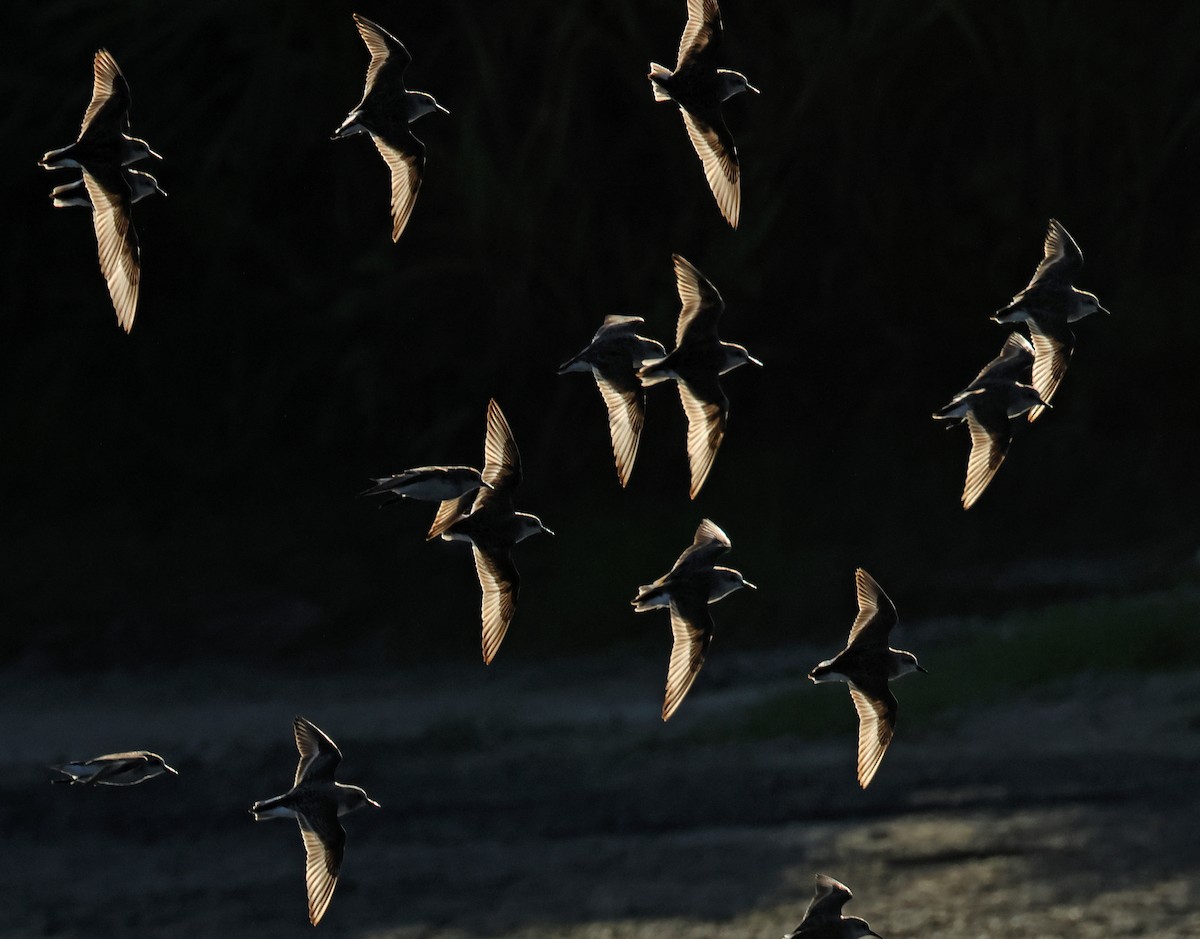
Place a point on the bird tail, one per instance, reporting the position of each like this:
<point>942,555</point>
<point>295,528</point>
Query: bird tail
<point>57,159</point>
<point>270,808</point>
<point>349,126</point>
<point>658,74</point>
<point>649,597</point>
<point>651,374</point>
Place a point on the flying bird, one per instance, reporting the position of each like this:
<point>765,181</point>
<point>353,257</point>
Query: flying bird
<point>385,111</point>
<point>445,484</point>
<point>613,357</point>
<point>1047,305</point>
<point>824,920</point>
<point>696,362</point>
<point>699,88</point>
<point>867,664</point>
<point>687,589</point>
<point>317,802</point>
<point>114,769</point>
<point>101,151</point>
<point>493,527</point>
<point>997,394</point>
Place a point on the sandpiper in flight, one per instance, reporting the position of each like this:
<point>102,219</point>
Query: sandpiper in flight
<point>316,802</point>
<point>1048,304</point>
<point>699,88</point>
<point>385,111</point>
<point>493,527</point>
<point>100,152</point>
<point>444,484</point>
<point>115,769</point>
<point>997,394</point>
<point>867,664</point>
<point>824,920</point>
<point>687,589</point>
<point>696,362</point>
<point>613,357</point>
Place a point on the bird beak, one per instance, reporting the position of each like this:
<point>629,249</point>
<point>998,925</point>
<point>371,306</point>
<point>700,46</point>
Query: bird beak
<point>171,770</point>
<point>746,583</point>
<point>371,802</point>
<point>922,670</point>
<point>442,109</point>
<point>547,531</point>
<point>1104,311</point>
<point>750,87</point>
<point>753,361</point>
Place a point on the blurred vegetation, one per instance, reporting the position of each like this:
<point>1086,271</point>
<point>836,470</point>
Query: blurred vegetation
<point>188,489</point>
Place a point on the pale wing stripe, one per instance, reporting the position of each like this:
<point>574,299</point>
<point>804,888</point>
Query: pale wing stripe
<point>377,46</point>
<point>406,181</point>
<point>498,604</point>
<point>696,294</point>
<point>874,608</point>
<point>986,457</point>
<point>625,419</point>
<point>1050,360</point>
<point>874,735</point>
<point>706,430</point>
<point>720,167</point>
<point>118,251</point>
<point>687,656</point>
<point>697,31</point>
<point>320,874</point>
<point>105,76</point>
<point>449,512</point>
<point>501,458</point>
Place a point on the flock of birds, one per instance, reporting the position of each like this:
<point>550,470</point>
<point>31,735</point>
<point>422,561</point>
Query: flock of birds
<point>476,506</point>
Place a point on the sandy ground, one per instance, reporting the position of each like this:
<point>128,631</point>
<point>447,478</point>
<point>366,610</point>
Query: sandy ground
<point>547,800</point>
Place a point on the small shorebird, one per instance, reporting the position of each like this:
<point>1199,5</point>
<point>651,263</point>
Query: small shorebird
<point>100,151</point>
<point>492,528</point>
<point>699,88</point>
<point>444,484</point>
<point>687,589</point>
<point>613,357</point>
<point>316,802</point>
<point>115,769</point>
<point>867,664</point>
<point>997,394</point>
<point>1048,304</point>
<point>140,184</point>
<point>824,920</point>
<point>385,111</point>
<point>696,362</point>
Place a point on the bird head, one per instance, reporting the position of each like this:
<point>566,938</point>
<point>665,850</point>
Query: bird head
<point>733,83</point>
<point>529,525</point>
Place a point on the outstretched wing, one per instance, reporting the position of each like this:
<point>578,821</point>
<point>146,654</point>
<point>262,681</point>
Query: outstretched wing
<point>405,156</point>
<point>501,459</point>
<point>700,302</point>
<point>108,111</point>
<point>876,614</point>
<point>988,448</point>
<point>1051,355</point>
<point>691,627</point>
<point>319,755</point>
<point>876,706</point>
<point>626,416</point>
<point>707,411</point>
<point>701,34</point>
<point>116,240</point>
<point>715,146</point>
<point>500,583</point>
<point>386,51</point>
<point>827,902</point>
<point>324,848</point>
<point>1061,258</point>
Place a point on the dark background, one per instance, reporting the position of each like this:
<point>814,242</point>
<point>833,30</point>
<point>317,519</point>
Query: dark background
<point>189,489</point>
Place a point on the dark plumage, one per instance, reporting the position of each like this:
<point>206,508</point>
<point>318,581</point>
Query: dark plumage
<point>385,111</point>
<point>824,920</point>
<point>997,394</point>
<point>316,802</point>
<point>692,583</point>
<point>867,664</point>
<point>699,88</point>
<point>614,356</point>
<point>696,362</point>
<point>1047,304</point>
<point>493,527</point>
